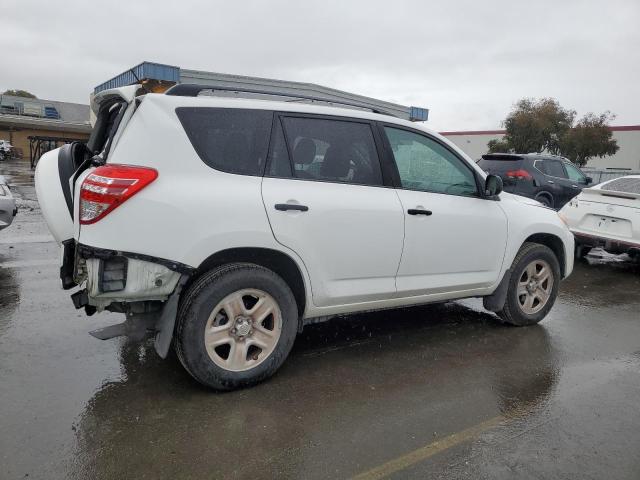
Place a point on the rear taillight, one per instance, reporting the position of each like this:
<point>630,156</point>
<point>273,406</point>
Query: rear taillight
<point>108,187</point>
<point>519,174</point>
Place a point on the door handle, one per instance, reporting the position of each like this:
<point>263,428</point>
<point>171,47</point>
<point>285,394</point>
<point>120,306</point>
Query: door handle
<point>419,211</point>
<point>575,186</point>
<point>290,206</point>
<point>550,181</point>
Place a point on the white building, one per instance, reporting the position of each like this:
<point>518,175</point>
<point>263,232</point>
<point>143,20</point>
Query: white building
<point>474,144</point>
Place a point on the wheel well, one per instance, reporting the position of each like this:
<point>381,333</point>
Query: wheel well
<point>276,261</point>
<point>554,243</point>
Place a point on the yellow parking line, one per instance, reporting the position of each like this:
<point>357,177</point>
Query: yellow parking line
<point>423,453</point>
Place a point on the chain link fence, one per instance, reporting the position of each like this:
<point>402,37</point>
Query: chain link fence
<point>600,175</point>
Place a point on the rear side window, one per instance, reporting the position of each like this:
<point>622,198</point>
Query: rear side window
<point>328,150</point>
<point>553,168</point>
<point>234,141</point>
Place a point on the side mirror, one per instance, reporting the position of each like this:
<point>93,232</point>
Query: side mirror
<point>588,180</point>
<point>492,186</point>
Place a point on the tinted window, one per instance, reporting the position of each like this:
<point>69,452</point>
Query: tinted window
<point>552,167</point>
<point>332,150</point>
<point>279,164</point>
<point>234,141</point>
<point>426,165</point>
<point>575,174</point>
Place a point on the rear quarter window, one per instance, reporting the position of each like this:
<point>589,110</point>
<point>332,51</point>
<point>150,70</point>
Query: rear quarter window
<point>230,140</point>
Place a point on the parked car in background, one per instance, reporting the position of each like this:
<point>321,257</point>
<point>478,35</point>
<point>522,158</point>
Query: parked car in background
<point>607,216</point>
<point>8,208</point>
<point>5,150</point>
<point>276,214</point>
<point>549,179</point>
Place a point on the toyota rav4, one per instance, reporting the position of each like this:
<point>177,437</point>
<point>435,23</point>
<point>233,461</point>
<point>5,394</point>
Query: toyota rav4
<point>222,225</point>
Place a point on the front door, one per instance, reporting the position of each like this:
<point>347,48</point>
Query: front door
<point>324,196</point>
<point>577,179</point>
<point>454,239</point>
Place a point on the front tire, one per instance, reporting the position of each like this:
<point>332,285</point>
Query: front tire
<point>236,326</point>
<point>533,286</point>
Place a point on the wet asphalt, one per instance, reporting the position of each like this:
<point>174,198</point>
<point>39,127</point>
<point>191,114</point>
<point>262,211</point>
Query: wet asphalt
<point>442,391</point>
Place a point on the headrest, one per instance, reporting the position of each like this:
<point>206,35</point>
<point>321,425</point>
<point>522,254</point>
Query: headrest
<point>305,151</point>
<point>336,163</point>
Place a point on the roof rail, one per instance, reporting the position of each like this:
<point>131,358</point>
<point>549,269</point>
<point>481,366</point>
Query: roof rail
<point>193,90</point>
<point>502,156</point>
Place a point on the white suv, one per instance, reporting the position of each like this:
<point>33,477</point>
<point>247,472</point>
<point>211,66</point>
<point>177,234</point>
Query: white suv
<point>224,224</point>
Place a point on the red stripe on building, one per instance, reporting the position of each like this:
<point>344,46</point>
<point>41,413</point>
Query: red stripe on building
<point>620,128</point>
<point>475,132</point>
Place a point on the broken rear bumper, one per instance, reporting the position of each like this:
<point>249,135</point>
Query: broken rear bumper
<point>146,288</point>
<point>115,277</point>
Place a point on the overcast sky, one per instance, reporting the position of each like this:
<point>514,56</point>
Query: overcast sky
<point>467,61</point>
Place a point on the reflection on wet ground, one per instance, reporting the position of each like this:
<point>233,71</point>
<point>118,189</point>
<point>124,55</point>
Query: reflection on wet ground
<point>356,392</point>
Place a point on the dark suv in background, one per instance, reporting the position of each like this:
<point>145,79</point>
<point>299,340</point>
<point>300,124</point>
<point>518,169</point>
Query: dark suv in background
<point>549,179</point>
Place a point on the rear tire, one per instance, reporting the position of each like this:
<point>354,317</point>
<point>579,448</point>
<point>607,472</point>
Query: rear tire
<point>236,325</point>
<point>533,286</point>
<point>546,200</point>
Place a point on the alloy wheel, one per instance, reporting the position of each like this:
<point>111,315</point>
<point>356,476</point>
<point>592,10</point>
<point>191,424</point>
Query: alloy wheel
<point>535,286</point>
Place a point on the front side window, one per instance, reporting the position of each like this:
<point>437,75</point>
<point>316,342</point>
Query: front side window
<point>575,174</point>
<point>426,165</point>
<point>230,140</point>
<point>330,150</point>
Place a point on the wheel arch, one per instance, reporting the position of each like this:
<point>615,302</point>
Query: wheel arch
<point>554,243</point>
<point>275,260</point>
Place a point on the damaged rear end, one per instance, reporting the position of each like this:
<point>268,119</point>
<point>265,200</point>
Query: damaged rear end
<point>78,187</point>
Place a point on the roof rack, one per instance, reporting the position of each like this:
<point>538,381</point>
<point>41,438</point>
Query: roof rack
<point>193,90</point>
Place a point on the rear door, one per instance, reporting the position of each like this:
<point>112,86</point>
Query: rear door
<point>557,176</point>
<point>326,199</point>
<point>112,109</point>
<point>454,239</point>
<point>59,170</point>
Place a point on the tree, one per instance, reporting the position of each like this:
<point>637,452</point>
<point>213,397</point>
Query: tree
<point>590,137</point>
<point>534,125</point>
<point>20,93</point>
<point>499,146</point>
<point>543,125</point>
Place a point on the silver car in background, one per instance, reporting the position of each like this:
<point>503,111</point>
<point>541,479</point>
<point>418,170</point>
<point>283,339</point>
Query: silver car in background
<point>8,208</point>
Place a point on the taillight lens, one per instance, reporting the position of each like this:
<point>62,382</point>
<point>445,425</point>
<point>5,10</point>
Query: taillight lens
<point>519,174</point>
<point>108,187</point>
